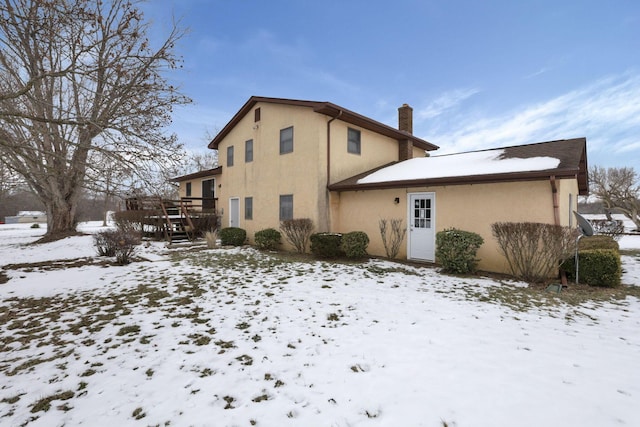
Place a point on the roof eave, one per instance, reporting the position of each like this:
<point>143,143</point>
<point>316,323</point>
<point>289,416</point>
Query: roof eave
<point>458,180</point>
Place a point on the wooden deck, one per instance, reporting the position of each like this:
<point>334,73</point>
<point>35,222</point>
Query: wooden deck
<point>175,220</point>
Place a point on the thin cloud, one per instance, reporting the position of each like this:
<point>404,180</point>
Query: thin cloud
<point>607,112</point>
<point>445,102</point>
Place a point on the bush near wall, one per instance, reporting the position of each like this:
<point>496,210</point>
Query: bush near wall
<point>598,241</point>
<point>267,239</point>
<point>456,250</point>
<point>598,267</point>
<point>326,245</point>
<point>232,236</point>
<point>354,244</point>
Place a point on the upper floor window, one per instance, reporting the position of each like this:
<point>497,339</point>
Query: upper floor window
<point>286,207</point>
<point>286,140</point>
<point>230,155</point>
<point>188,189</point>
<point>256,117</point>
<point>248,151</point>
<point>353,141</point>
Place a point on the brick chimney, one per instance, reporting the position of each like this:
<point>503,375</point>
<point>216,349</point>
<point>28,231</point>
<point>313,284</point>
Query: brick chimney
<point>405,123</point>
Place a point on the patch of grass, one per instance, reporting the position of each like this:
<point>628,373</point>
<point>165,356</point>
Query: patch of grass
<point>44,404</point>
<point>229,401</point>
<point>260,398</point>
<point>138,413</point>
<point>13,399</point>
<point>245,360</point>
<point>199,339</point>
<point>88,373</point>
<point>149,372</point>
<point>128,330</point>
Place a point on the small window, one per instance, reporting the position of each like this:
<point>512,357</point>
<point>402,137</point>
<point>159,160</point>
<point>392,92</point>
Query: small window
<point>248,208</point>
<point>286,207</point>
<point>248,151</point>
<point>188,189</point>
<point>286,140</point>
<point>353,141</point>
<point>256,117</point>
<point>230,156</point>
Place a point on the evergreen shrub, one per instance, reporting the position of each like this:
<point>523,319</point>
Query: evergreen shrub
<point>598,267</point>
<point>232,236</point>
<point>326,245</point>
<point>354,244</point>
<point>598,241</point>
<point>456,250</point>
<point>267,239</point>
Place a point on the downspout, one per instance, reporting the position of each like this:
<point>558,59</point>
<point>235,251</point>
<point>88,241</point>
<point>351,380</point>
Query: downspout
<point>327,195</point>
<point>556,217</point>
<point>329,146</point>
<point>556,204</point>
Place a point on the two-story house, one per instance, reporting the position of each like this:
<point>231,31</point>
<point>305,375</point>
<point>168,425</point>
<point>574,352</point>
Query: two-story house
<point>281,159</point>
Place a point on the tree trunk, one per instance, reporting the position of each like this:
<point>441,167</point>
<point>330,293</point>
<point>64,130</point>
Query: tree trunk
<point>61,218</point>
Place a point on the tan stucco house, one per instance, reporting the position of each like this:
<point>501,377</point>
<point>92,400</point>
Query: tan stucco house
<point>283,158</point>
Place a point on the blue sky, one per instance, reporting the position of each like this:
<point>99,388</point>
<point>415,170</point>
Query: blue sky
<point>479,74</point>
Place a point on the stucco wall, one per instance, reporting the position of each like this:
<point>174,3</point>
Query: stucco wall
<point>468,207</point>
<point>376,150</point>
<point>272,174</point>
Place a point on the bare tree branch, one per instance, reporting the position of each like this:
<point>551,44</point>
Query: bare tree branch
<point>79,81</point>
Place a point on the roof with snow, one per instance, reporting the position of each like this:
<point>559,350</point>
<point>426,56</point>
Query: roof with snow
<point>561,159</point>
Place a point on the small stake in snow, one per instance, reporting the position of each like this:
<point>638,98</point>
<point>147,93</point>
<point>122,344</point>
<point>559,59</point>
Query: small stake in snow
<point>587,230</point>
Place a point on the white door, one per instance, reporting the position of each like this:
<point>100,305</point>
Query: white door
<point>234,212</point>
<point>422,215</point>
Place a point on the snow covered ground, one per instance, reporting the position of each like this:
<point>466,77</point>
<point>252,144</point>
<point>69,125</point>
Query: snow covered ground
<point>235,337</point>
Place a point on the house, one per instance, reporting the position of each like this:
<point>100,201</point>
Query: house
<point>27,217</point>
<point>283,158</point>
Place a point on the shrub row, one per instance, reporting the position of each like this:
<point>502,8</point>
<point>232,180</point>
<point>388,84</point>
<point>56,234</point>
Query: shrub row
<point>323,245</point>
<point>336,245</point>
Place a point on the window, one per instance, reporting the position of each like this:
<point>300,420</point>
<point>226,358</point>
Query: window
<point>248,208</point>
<point>353,141</point>
<point>286,207</point>
<point>230,156</point>
<point>188,189</point>
<point>286,140</point>
<point>248,151</point>
<point>256,117</point>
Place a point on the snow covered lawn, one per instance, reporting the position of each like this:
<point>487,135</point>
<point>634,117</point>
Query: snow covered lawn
<point>236,337</point>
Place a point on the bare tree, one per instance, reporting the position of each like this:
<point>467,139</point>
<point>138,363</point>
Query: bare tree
<point>78,77</point>
<point>619,189</point>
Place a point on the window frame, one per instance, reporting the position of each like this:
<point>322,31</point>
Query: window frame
<point>353,146</point>
<point>285,211</point>
<point>248,151</point>
<point>248,208</point>
<point>230,156</point>
<point>187,189</point>
<point>284,143</point>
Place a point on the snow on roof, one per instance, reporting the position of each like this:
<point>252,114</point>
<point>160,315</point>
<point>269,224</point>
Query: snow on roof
<point>31,213</point>
<point>463,164</point>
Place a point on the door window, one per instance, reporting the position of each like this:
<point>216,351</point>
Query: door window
<point>422,213</point>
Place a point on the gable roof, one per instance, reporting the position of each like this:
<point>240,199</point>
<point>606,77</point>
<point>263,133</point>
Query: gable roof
<point>328,109</point>
<point>561,158</point>
<point>200,174</point>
